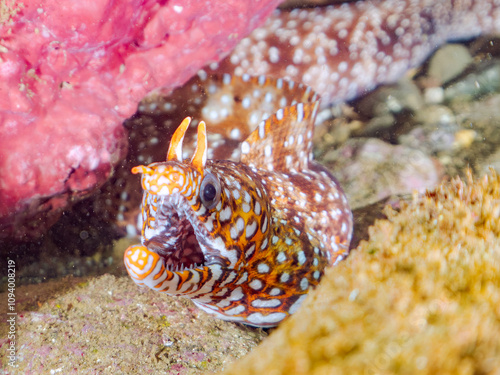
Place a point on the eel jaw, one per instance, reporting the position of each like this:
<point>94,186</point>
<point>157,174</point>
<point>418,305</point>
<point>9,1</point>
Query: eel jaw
<point>148,268</point>
<point>177,242</point>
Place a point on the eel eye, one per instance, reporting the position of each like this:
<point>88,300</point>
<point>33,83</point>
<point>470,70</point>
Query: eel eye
<point>210,191</point>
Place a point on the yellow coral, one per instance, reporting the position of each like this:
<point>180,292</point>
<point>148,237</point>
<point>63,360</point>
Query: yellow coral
<point>421,296</point>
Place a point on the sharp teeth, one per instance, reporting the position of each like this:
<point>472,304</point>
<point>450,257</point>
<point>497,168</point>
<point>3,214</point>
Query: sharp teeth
<point>181,267</point>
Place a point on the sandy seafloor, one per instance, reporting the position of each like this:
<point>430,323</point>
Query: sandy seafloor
<point>78,312</point>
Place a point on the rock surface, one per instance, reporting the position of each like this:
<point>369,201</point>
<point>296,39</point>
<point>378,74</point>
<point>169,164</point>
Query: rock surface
<point>109,326</point>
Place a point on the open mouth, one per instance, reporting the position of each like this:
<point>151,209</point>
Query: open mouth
<point>174,236</point>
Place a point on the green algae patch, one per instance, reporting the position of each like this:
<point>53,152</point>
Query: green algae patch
<point>422,295</point>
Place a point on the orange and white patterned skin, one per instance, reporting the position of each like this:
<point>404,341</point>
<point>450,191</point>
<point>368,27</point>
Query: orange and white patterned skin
<point>244,240</point>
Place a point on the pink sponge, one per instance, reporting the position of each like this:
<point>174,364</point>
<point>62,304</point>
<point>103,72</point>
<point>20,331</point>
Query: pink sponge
<point>72,71</point>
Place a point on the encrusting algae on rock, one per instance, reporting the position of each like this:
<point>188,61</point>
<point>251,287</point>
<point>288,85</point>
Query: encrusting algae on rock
<point>106,325</point>
<point>420,296</point>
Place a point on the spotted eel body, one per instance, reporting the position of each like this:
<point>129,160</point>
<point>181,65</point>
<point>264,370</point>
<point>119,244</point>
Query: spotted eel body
<point>244,240</point>
<point>343,50</point>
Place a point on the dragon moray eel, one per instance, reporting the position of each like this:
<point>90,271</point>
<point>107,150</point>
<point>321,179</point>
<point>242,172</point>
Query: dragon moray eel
<point>244,240</point>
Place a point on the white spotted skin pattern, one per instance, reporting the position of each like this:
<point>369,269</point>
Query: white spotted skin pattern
<point>277,220</point>
<point>311,201</point>
<point>343,50</point>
